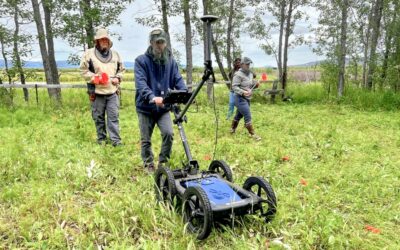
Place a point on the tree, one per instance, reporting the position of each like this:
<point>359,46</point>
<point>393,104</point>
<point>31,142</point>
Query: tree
<point>390,73</point>
<point>286,13</point>
<point>16,10</point>
<point>188,42</point>
<point>342,46</point>
<point>77,20</point>
<point>159,17</point>
<point>5,41</point>
<point>375,24</point>
<point>45,37</point>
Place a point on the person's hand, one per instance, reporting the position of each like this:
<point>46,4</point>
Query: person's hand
<point>115,81</point>
<point>247,92</point>
<point>92,97</point>
<point>95,79</point>
<point>158,101</point>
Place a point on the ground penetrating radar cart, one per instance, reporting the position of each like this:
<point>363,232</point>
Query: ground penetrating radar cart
<point>208,195</point>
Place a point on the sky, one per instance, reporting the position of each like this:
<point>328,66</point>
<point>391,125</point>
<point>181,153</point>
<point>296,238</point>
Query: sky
<point>135,40</point>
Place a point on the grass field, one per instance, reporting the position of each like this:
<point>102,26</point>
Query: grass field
<point>340,188</point>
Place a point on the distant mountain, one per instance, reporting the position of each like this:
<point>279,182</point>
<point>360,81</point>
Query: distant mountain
<point>309,64</point>
<point>60,64</point>
<point>316,63</point>
<point>129,65</point>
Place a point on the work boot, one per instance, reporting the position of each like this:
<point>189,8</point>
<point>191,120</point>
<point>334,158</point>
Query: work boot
<point>117,144</point>
<point>234,126</point>
<point>250,128</point>
<point>102,142</point>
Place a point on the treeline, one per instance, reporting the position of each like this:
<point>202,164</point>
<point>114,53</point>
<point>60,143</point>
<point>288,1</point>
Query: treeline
<point>360,39</point>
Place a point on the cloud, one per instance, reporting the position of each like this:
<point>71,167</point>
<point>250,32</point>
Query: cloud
<point>134,40</point>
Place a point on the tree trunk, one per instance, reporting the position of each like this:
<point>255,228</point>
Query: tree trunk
<point>188,44</point>
<point>164,9</point>
<point>288,31</point>
<point>388,44</point>
<point>8,95</point>
<point>356,70</point>
<point>3,53</point>
<point>281,30</point>
<point>376,21</point>
<point>42,45</point>
<point>229,35</point>
<point>85,7</point>
<point>366,42</point>
<point>17,58</point>
<point>50,50</point>
<point>342,48</point>
<point>365,60</point>
<point>218,59</point>
<point>388,48</point>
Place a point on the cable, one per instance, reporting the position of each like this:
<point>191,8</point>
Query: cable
<point>216,121</point>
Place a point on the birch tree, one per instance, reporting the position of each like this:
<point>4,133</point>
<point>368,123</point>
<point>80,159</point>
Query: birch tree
<point>46,44</point>
<point>19,14</point>
<point>286,13</point>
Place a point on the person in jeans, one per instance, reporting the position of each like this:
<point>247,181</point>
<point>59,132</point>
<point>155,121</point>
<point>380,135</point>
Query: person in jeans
<point>243,84</point>
<point>231,107</point>
<point>156,72</point>
<point>102,68</point>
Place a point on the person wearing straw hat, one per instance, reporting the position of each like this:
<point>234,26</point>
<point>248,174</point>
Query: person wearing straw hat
<point>156,72</point>
<point>103,69</point>
<point>243,84</point>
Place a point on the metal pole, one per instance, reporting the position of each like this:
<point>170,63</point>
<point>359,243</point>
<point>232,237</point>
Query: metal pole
<point>37,98</point>
<point>208,71</point>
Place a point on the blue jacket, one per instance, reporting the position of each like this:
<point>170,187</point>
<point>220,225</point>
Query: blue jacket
<point>152,79</point>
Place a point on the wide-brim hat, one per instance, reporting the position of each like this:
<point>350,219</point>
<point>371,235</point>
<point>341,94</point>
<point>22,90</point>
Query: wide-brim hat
<point>102,33</point>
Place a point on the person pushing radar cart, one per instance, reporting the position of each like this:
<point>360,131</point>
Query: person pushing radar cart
<point>211,194</point>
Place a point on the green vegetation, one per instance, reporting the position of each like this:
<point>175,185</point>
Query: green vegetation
<point>59,189</point>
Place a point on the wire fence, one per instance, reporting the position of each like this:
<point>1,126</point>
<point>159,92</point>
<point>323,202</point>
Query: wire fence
<point>127,89</point>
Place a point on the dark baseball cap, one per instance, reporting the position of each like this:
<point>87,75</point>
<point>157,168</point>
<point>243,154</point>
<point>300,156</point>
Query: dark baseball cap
<point>246,60</point>
<point>158,35</point>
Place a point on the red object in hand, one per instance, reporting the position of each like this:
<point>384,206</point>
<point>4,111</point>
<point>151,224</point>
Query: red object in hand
<point>96,79</point>
<point>264,77</point>
<point>104,78</point>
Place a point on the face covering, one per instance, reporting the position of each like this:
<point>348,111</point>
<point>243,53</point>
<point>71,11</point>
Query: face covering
<point>159,58</point>
<point>103,54</point>
<point>246,71</point>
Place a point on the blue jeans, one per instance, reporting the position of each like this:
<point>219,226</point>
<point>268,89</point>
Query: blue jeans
<point>243,109</point>
<point>146,125</point>
<point>231,106</point>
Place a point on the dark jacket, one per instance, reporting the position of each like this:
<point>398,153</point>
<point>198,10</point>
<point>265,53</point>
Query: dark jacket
<point>152,79</point>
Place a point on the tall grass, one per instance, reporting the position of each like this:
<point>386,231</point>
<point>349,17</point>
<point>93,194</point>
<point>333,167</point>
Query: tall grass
<point>59,189</point>
<point>355,97</point>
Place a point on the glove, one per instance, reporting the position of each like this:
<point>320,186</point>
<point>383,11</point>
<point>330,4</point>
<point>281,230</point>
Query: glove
<point>104,79</point>
<point>96,79</point>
